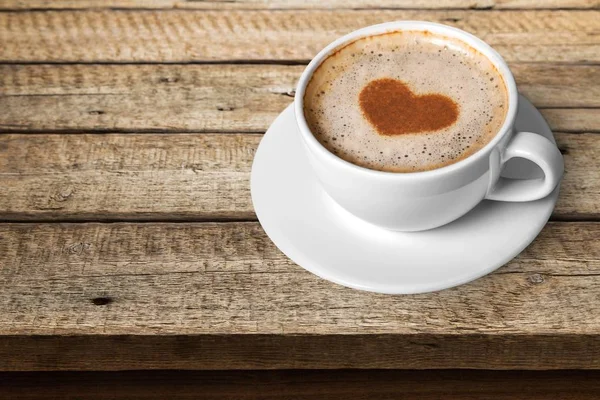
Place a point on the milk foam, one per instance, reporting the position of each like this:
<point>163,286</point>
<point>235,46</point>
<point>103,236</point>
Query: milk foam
<point>427,63</point>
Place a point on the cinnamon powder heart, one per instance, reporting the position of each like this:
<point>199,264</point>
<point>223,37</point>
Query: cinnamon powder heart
<point>393,109</point>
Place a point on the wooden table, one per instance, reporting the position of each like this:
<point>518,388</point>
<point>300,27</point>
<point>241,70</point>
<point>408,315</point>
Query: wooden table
<point>128,240</point>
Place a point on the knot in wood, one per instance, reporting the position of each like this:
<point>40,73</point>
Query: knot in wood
<point>63,194</point>
<point>77,248</point>
<point>536,279</point>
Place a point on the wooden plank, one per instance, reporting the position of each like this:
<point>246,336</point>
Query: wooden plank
<point>298,4</point>
<point>157,97</point>
<point>300,385</point>
<point>184,36</point>
<point>136,177</point>
<point>573,119</point>
<point>186,177</point>
<point>221,296</point>
<point>239,351</point>
<point>226,98</point>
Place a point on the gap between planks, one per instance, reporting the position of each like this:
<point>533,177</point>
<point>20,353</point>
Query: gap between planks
<point>303,385</point>
<point>186,220</point>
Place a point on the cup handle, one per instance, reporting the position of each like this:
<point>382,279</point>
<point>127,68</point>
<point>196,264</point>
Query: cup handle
<point>539,150</point>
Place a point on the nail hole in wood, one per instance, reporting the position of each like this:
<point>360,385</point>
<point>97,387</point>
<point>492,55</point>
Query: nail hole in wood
<point>101,301</point>
<point>168,79</point>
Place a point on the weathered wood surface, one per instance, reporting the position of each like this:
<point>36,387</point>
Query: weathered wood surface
<point>84,94</point>
<point>74,177</point>
<point>298,4</point>
<point>188,35</point>
<point>227,98</point>
<point>220,295</point>
<point>303,385</point>
<point>228,278</point>
<point>186,176</point>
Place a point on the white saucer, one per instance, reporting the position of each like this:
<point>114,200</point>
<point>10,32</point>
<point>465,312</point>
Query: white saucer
<point>312,230</point>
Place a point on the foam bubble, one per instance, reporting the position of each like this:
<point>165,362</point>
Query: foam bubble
<point>427,63</point>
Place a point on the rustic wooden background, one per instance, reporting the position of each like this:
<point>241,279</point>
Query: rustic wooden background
<point>128,238</point>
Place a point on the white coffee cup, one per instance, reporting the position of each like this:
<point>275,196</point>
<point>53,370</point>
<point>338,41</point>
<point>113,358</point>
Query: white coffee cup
<point>424,200</point>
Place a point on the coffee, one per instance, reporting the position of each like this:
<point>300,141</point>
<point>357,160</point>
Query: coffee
<point>405,101</point>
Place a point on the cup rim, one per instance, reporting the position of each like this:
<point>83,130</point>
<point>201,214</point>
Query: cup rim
<point>387,27</point>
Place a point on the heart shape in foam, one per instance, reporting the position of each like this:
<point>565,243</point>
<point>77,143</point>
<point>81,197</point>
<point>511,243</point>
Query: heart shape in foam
<point>393,109</point>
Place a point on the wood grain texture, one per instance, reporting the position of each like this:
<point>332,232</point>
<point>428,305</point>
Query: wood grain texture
<point>194,177</point>
<point>186,176</point>
<point>102,352</point>
<point>221,296</point>
<point>228,278</point>
<point>184,36</point>
<point>573,119</point>
<point>298,4</point>
<point>227,98</point>
<point>303,385</point>
<point>156,97</point>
